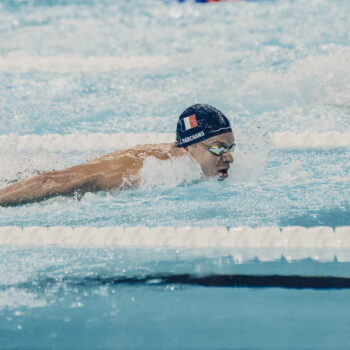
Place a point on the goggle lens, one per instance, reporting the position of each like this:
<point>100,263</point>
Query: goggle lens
<point>220,150</point>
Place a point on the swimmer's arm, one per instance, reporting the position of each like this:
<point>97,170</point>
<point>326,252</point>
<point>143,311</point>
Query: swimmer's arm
<point>45,186</point>
<point>99,175</point>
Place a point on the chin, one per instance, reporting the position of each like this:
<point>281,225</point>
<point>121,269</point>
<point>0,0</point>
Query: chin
<point>220,178</point>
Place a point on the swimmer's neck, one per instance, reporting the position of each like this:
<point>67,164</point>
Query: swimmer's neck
<point>177,151</point>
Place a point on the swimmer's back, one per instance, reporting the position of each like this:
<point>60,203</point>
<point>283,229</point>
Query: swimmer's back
<point>161,151</point>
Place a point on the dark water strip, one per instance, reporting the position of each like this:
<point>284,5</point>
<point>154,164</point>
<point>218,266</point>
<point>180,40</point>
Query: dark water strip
<point>227,281</point>
<point>248,281</point>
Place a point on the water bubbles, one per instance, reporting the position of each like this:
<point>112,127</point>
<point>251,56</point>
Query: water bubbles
<point>171,288</point>
<point>175,13</point>
<point>76,304</point>
<point>253,147</point>
<point>270,66</point>
<point>18,164</point>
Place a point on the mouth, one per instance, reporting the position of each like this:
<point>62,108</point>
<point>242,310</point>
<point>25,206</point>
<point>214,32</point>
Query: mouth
<point>223,173</point>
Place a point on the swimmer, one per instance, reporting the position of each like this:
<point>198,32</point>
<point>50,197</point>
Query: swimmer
<point>203,132</point>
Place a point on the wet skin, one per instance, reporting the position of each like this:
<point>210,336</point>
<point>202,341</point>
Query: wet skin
<point>211,164</point>
<point>117,170</point>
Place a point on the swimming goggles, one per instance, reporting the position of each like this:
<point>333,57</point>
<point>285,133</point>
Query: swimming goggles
<point>218,150</point>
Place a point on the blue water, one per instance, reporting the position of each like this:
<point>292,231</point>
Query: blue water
<point>56,298</point>
<point>295,187</point>
<point>271,66</point>
<point>280,64</point>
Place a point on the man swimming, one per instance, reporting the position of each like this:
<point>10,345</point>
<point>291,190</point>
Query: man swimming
<point>203,132</point>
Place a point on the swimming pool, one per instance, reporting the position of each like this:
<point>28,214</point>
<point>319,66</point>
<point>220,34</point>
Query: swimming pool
<point>69,298</point>
<point>286,192</point>
<point>125,70</point>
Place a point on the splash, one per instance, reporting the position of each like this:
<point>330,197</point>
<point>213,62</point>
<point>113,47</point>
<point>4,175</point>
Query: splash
<point>314,79</point>
<point>14,298</point>
<point>253,147</point>
<point>19,164</point>
<point>166,174</point>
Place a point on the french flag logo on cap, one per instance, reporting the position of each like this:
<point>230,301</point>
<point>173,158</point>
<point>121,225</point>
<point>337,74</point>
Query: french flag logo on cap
<point>190,122</point>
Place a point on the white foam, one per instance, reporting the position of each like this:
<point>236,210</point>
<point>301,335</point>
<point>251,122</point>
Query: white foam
<point>104,141</point>
<point>17,298</point>
<point>19,163</point>
<point>266,243</point>
<point>175,172</point>
<point>320,78</point>
<point>76,64</point>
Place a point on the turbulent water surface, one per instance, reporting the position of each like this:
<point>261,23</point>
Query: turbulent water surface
<point>132,66</point>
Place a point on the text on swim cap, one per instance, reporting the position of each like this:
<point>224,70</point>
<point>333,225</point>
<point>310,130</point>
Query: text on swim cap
<point>192,137</point>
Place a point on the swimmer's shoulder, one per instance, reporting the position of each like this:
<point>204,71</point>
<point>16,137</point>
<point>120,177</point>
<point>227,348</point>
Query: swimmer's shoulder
<point>161,151</point>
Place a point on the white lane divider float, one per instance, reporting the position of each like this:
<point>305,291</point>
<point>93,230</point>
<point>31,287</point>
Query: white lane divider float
<point>266,243</point>
<point>79,64</point>
<point>115,141</point>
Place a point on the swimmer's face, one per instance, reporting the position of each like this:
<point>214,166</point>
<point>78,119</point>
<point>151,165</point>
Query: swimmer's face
<point>211,164</point>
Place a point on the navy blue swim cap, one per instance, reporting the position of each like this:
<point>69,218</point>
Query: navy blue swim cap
<point>198,123</point>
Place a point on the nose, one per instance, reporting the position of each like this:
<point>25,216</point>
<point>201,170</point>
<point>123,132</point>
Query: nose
<point>228,157</point>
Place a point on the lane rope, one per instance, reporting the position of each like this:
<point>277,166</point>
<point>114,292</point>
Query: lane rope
<point>266,243</point>
<point>79,64</point>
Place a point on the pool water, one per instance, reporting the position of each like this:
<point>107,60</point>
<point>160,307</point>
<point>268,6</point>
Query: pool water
<point>292,187</point>
<point>57,298</point>
<point>271,66</point>
<point>131,67</point>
